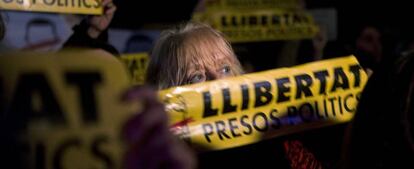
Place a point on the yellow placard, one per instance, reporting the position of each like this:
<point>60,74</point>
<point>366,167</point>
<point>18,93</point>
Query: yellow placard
<point>65,108</point>
<point>136,64</point>
<point>247,109</point>
<point>93,7</point>
<point>250,4</point>
<point>261,25</point>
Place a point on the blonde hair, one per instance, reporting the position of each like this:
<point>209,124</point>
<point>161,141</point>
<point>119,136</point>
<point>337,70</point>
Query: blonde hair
<point>188,43</point>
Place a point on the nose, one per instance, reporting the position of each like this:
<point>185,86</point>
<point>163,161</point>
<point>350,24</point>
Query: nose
<point>212,75</point>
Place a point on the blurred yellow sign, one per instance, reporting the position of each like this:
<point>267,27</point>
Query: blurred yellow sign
<point>93,7</point>
<point>137,64</point>
<point>65,107</point>
<point>261,25</point>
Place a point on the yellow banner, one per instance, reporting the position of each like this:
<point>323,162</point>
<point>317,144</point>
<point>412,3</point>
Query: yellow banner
<point>261,25</point>
<point>250,4</point>
<point>66,107</point>
<point>136,64</point>
<point>247,109</point>
<point>93,7</point>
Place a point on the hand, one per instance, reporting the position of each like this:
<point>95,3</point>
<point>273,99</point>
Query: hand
<point>151,145</point>
<point>98,23</point>
<point>319,43</point>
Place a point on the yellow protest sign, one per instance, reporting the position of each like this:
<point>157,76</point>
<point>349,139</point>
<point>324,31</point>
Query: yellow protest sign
<point>65,107</point>
<point>246,109</point>
<point>93,7</point>
<point>137,64</point>
<point>261,25</point>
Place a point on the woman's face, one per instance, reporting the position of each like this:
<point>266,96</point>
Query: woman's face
<point>217,68</point>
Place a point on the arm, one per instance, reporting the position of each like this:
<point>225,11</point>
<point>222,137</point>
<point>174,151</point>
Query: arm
<point>92,32</point>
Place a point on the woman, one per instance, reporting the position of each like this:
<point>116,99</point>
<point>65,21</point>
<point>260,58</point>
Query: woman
<point>191,53</point>
<point>194,53</point>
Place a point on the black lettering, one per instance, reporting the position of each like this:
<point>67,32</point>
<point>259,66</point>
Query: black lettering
<point>243,20</point>
<point>86,82</point>
<point>143,63</point>
<point>132,66</point>
<point>276,123</point>
<point>208,130</point>
<point>101,154</point>
<point>356,71</point>
<point>263,95</point>
<point>332,105</point>
<point>282,89</point>
<point>358,96</point>
<point>223,21</point>
<point>60,3</point>
<point>346,103</point>
<point>252,20</point>
<point>306,112</point>
<point>321,76</point>
<point>245,96</point>
<point>292,113</point>
<point>246,124</point>
<point>286,18</point>
<point>233,21</point>
<point>221,130</point>
<point>340,80</point>
<point>263,20</point>
<point>227,106</point>
<point>275,20</point>
<point>60,152</point>
<point>297,19</point>
<point>303,82</point>
<point>22,107</point>
<point>233,127</point>
<point>49,3</point>
<point>208,110</point>
<point>340,105</point>
<point>256,126</point>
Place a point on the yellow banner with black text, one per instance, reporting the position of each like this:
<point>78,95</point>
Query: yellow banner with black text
<point>261,25</point>
<point>247,109</point>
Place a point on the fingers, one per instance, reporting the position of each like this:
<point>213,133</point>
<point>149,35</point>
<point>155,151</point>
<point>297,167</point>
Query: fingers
<point>111,9</point>
<point>106,2</point>
<point>152,115</point>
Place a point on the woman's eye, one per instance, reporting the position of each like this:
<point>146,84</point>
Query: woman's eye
<point>196,79</point>
<point>225,70</point>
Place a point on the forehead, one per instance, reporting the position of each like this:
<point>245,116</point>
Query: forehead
<point>214,60</point>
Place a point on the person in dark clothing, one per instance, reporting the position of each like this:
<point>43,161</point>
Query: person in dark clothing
<point>92,32</point>
<point>381,134</point>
